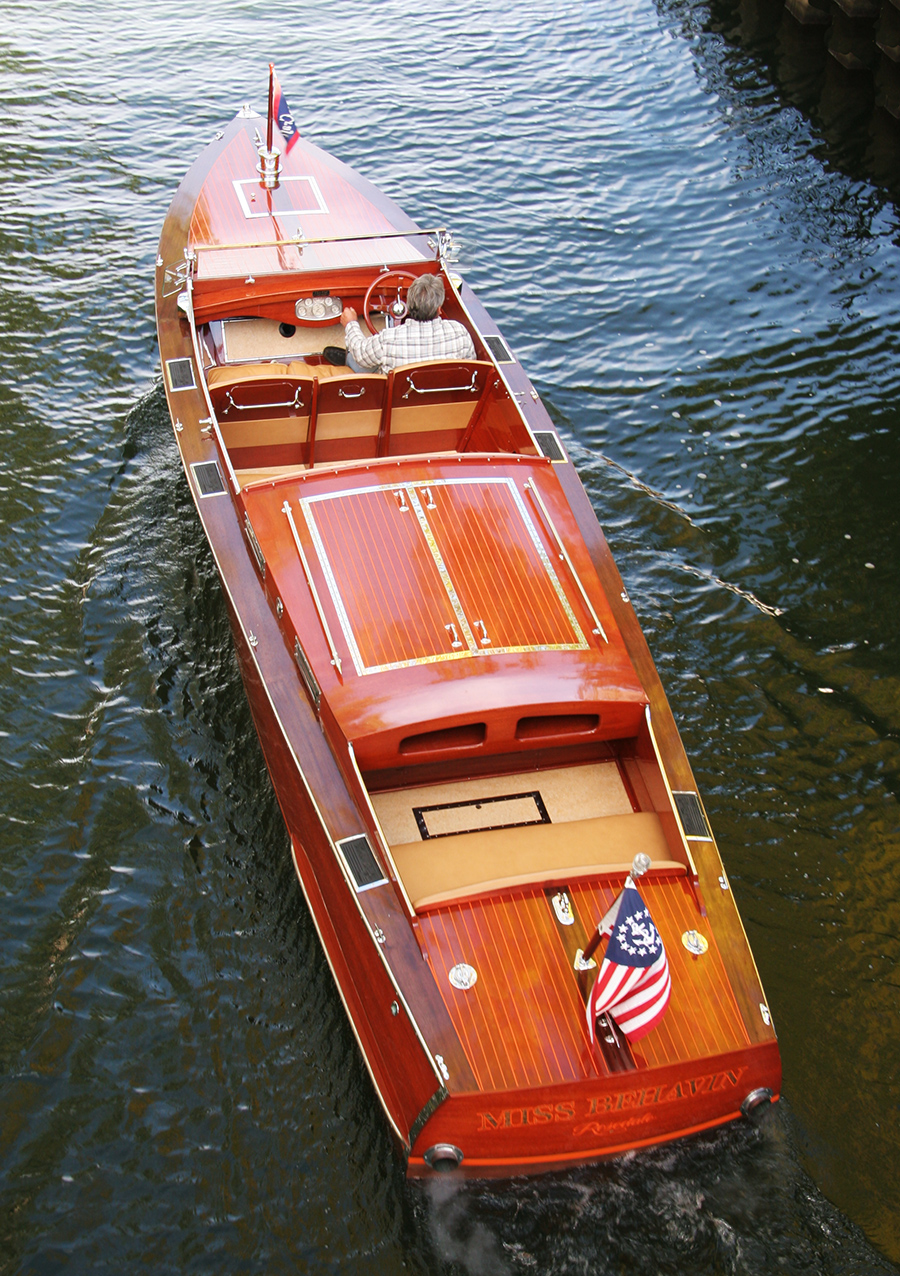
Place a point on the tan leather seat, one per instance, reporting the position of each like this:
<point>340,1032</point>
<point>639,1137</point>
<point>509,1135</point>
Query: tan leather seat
<point>321,371</point>
<point>465,864</point>
<point>235,373</point>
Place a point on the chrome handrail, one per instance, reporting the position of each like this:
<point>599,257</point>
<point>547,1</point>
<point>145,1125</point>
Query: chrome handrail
<point>296,402</point>
<point>441,389</point>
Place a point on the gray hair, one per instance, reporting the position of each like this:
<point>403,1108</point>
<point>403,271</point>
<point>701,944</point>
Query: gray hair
<point>425,297</point>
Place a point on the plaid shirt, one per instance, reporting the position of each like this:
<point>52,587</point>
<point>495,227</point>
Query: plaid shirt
<point>413,342</point>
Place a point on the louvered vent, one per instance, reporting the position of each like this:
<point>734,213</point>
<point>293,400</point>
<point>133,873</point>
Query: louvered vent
<point>693,820</point>
<point>362,864</point>
<point>549,445</point>
<point>181,374</point>
<point>499,349</point>
<point>208,477</point>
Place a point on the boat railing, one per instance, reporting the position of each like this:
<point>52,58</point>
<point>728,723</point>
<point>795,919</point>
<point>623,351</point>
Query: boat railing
<point>211,421</point>
<point>439,240</point>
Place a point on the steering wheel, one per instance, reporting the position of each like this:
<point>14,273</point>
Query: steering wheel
<point>388,293</point>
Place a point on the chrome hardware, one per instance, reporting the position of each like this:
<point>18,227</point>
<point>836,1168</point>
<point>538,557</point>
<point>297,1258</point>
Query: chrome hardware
<point>182,302</point>
<point>249,280</point>
<point>179,426</point>
<point>296,402</point>
<point>309,678</point>
<point>443,1158</point>
<point>279,608</point>
<point>175,278</point>
<point>205,420</point>
<point>606,1026</point>
<point>429,504</point>
<point>219,136</point>
<point>640,864</point>
<point>441,389</point>
<point>159,262</point>
<point>534,394</point>
<point>348,394</point>
<point>462,976</point>
<point>380,937</point>
<point>484,640</point>
<point>446,247</point>
<point>445,1071</point>
<point>395,1008</point>
<point>695,942</point>
<point>253,640</point>
<point>766,1015</point>
<point>563,909</point>
<point>723,882</point>
<point>269,167</point>
<point>756,1099</point>
<point>402,502</point>
<point>580,964</point>
<point>254,545</point>
<point>624,596</point>
<point>454,636</point>
<point>206,431</point>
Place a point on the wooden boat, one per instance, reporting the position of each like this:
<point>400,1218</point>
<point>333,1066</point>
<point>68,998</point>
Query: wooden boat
<point>464,727</point>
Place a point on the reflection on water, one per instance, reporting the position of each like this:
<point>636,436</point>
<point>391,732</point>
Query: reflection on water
<point>681,217</point>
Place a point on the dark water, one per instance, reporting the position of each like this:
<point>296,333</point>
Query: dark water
<point>697,257</point>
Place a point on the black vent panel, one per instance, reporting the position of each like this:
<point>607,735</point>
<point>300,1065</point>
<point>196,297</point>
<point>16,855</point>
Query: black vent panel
<point>499,349</point>
<point>363,866</point>
<point>209,478</point>
<point>693,821</point>
<point>181,374</point>
<point>549,445</point>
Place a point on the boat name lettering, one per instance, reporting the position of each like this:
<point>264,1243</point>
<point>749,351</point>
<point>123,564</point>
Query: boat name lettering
<point>665,1093</point>
<point>600,1105</point>
<point>514,1118</point>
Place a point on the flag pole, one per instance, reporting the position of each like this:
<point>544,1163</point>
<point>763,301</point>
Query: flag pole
<point>639,867</point>
<point>269,165</point>
<point>271,105</point>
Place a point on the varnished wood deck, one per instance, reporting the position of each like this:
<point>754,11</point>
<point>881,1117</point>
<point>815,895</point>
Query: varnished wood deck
<point>449,569</point>
<point>313,199</point>
<point>523,1023</point>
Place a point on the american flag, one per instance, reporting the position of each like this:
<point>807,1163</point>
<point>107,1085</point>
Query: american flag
<point>283,116</point>
<point>633,982</point>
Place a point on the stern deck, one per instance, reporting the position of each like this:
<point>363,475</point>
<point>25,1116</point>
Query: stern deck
<point>523,1023</point>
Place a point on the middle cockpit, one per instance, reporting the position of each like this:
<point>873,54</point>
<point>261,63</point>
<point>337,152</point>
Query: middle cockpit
<point>284,400</point>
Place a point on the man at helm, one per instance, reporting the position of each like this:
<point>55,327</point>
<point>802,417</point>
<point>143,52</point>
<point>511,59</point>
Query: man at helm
<point>423,336</point>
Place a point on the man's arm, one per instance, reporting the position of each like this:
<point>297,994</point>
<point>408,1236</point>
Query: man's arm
<point>368,352</point>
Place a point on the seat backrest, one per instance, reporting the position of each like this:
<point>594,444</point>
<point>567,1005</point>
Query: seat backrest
<point>349,411</point>
<point>431,404</point>
<point>265,421</point>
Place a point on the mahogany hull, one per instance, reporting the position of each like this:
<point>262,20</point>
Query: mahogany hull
<point>501,1078</point>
